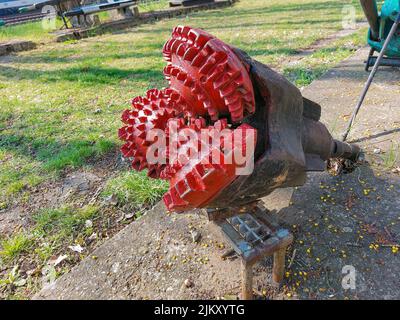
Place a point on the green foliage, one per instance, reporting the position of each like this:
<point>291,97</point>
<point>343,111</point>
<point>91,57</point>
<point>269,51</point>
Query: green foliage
<point>391,156</point>
<point>32,31</point>
<point>62,222</point>
<point>15,245</point>
<point>135,188</point>
<point>316,64</point>
<point>12,279</point>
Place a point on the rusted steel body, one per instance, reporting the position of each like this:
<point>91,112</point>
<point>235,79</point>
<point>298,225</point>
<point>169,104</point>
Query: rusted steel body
<point>213,86</point>
<point>291,140</point>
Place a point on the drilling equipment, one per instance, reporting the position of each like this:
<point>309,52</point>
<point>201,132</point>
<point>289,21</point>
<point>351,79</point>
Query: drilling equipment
<point>216,90</point>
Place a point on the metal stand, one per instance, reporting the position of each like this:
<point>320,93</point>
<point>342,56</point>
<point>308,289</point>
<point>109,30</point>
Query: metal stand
<point>385,62</point>
<point>253,236</point>
<point>378,62</point>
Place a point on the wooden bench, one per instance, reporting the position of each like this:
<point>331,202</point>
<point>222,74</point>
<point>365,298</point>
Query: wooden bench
<point>81,13</point>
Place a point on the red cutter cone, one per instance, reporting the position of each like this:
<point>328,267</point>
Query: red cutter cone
<point>150,112</point>
<point>199,180</point>
<point>208,75</point>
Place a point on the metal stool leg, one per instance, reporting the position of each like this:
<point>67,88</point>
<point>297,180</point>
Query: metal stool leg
<point>247,281</point>
<point>368,63</point>
<point>278,268</point>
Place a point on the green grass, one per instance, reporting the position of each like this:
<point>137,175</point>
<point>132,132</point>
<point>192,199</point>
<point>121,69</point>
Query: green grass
<point>52,229</point>
<point>12,247</point>
<point>63,221</point>
<point>391,156</point>
<point>60,225</point>
<point>33,31</point>
<point>135,189</point>
<point>49,97</point>
<point>315,65</point>
<point>152,5</point>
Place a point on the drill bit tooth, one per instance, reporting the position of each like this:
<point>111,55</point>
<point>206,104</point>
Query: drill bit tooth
<point>232,100</point>
<point>142,165</point>
<point>190,53</point>
<point>142,135</point>
<point>133,115</point>
<point>201,39</point>
<point>199,59</point>
<point>138,106</point>
<point>194,181</point>
<point>208,65</point>
<point>185,31</point>
<point>172,199</point>
<point>216,73</point>
<point>127,150</point>
<point>227,91</point>
<point>121,133</point>
<point>175,44</point>
<point>180,51</point>
<point>126,116</point>
<point>148,112</point>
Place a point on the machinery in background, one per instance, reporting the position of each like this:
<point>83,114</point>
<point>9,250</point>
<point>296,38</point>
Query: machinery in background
<point>384,37</point>
<point>380,26</point>
<point>9,7</point>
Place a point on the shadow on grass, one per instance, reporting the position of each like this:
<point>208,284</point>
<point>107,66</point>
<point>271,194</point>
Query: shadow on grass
<point>328,6</point>
<point>273,24</point>
<point>73,56</point>
<point>303,75</point>
<point>266,52</point>
<point>85,74</point>
<point>54,155</point>
<point>354,71</point>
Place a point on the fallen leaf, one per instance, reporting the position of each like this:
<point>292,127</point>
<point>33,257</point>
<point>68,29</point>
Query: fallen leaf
<point>56,261</point>
<point>129,215</point>
<point>350,202</point>
<point>396,170</point>
<point>112,200</point>
<point>88,224</point>
<point>20,283</point>
<point>76,248</point>
<point>93,236</point>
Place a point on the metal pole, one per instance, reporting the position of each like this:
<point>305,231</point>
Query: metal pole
<point>371,77</point>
